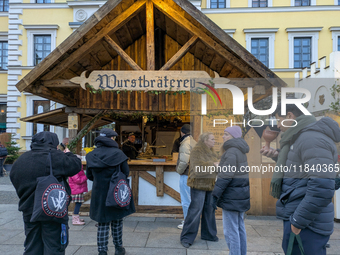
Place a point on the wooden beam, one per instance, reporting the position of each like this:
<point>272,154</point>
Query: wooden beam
<point>111,27</point>
<point>206,39</point>
<point>159,181</point>
<point>135,186</point>
<point>122,53</point>
<point>175,58</point>
<point>59,83</point>
<point>168,190</point>
<point>54,95</point>
<point>150,36</point>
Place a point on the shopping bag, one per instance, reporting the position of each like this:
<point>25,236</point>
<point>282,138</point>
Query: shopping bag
<point>119,194</point>
<point>291,244</point>
<point>51,199</point>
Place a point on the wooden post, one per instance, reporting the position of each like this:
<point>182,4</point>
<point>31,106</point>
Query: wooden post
<point>150,36</point>
<point>160,181</point>
<point>135,186</point>
<point>73,126</point>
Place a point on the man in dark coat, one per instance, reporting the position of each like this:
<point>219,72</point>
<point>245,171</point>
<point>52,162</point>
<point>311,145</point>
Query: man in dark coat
<point>42,237</point>
<point>306,186</point>
<point>103,162</point>
<point>129,148</point>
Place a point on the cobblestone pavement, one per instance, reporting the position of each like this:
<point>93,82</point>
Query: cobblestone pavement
<point>146,235</point>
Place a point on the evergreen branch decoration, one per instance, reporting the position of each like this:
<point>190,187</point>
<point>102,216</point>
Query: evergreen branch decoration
<point>73,143</point>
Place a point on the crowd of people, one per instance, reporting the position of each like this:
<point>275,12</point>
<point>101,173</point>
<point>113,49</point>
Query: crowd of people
<point>304,197</point>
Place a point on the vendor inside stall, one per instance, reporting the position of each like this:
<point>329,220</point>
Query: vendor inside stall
<point>129,148</point>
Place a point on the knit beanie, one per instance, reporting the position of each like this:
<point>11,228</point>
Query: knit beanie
<point>185,129</point>
<point>108,132</point>
<point>235,131</point>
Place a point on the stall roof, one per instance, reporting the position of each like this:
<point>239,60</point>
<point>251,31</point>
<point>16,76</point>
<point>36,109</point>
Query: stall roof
<point>59,118</point>
<point>120,23</point>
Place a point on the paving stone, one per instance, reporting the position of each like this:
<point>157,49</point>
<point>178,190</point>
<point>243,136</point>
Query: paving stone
<point>206,252</point>
<point>6,234</point>
<point>159,227</point>
<point>129,226</point>
<point>18,239</point>
<point>264,244</point>
<point>266,231</point>
<point>220,245</point>
<point>173,220</point>
<point>168,240</point>
<point>71,249</point>
<point>132,218</point>
<point>78,227</point>
<point>336,234</point>
<point>82,238</point>
<point>17,224</point>
<point>90,227</point>
<point>11,249</point>
<point>155,251</point>
<point>135,239</point>
<point>263,221</point>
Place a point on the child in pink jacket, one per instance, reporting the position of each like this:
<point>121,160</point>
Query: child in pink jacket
<point>78,184</point>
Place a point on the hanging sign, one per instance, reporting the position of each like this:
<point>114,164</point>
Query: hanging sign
<point>147,80</point>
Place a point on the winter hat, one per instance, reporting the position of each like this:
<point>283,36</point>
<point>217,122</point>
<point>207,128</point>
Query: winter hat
<point>45,138</point>
<point>108,132</point>
<point>235,131</point>
<point>185,129</point>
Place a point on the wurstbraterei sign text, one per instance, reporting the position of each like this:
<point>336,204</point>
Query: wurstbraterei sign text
<point>147,80</point>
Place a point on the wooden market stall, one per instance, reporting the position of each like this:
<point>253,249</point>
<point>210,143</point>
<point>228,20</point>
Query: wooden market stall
<point>102,71</point>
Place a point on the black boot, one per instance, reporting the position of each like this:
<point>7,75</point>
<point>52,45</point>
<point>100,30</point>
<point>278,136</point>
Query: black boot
<point>120,251</point>
<point>102,253</point>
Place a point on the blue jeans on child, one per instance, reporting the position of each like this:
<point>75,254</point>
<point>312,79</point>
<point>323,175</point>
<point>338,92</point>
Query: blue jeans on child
<point>235,232</point>
<point>184,191</point>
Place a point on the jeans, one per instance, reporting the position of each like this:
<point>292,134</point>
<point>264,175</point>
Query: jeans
<point>184,191</point>
<point>77,208</point>
<point>200,205</point>
<point>235,232</point>
<point>313,243</point>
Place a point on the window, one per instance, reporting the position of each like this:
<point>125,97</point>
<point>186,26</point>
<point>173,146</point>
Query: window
<point>3,110</point>
<point>3,55</point>
<point>303,46</point>
<point>42,47</point>
<point>259,3</point>
<point>43,1</point>
<point>40,106</point>
<point>302,2</point>
<point>260,49</point>
<point>217,4</point>
<point>4,5</point>
<point>261,43</point>
<point>338,2</point>
<point>302,52</point>
<point>338,43</point>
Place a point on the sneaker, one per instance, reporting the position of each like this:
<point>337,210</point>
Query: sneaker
<point>180,226</point>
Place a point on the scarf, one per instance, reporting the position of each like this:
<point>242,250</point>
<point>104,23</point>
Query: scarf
<point>285,142</point>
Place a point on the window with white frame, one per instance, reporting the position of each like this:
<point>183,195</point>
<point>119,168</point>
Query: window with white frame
<point>42,47</point>
<point>336,38</point>
<point>40,106</point>
<point>4,5</point>
<point>3,55</point>
<point>302,52</point>
<point>260,49</point>
<point>260,42</point>
<point>259,3</point>
<point>303,46</point>
<point>41,40</point>
<point>217,3</point>
<point>302,2</point>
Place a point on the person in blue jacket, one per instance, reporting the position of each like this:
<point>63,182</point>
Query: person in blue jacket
<point>305,185</point>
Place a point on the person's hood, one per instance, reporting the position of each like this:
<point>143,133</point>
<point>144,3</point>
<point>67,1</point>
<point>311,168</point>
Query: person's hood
<point>44,140</point>
<point>238,143</point>
<point>326,126</point>
<point>107,154</point>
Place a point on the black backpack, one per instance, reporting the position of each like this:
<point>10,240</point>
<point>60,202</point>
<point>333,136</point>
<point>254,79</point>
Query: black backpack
<point>3,152</point>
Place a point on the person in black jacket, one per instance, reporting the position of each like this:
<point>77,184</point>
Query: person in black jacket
<point>103,162</point>
<point>42,237</point>
<point>306,188</point>
<point>129,148</point>
<point>231,191</point>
